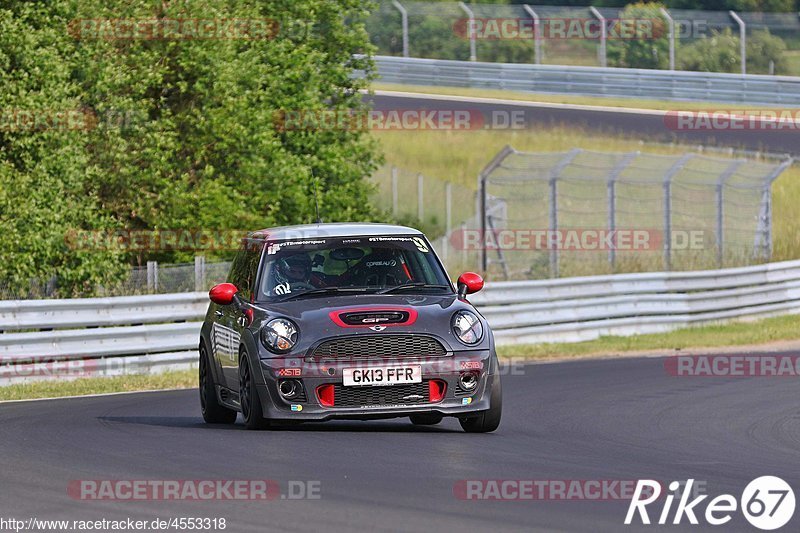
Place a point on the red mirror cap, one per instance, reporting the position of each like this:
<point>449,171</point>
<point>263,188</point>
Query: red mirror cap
<point>223,293</point>
<point>472,281</point>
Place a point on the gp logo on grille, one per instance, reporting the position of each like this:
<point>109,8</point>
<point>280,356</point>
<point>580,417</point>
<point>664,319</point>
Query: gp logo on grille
<point>368,316</point>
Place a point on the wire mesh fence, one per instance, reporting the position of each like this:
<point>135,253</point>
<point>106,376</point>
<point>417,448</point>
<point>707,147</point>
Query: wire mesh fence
<point>150,279</point>
<point>583,212</point>
<point>537,215</point>
<point>437,207</point>
<point>571,35</point>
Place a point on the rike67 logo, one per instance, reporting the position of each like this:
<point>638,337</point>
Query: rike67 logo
<point>767,503</point>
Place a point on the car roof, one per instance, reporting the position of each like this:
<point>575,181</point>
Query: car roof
<point>337,229</point>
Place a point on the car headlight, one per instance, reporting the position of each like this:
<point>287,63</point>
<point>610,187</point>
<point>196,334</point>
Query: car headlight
<point>279,335</point>
<point>467,327</point>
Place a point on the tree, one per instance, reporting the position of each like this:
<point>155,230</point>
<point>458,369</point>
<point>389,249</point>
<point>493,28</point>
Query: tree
<point>200,145</point>
<point>649,48</point>
<point>45,169</point>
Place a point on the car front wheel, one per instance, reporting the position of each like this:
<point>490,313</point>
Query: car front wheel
<point>489,420</point>
<point>248,396</point>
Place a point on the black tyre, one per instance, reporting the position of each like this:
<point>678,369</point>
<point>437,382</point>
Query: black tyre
<point>213,412</point>
<point>248,396</point>
<point>489,420</point>
<point>425,419</point>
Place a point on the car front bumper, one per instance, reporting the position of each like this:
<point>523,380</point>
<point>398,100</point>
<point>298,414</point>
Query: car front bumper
<point>455,400</point>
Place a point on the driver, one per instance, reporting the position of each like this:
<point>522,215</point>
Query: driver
<point>295,270</point>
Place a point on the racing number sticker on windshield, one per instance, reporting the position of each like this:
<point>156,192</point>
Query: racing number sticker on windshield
<point>421,245</point>
<point>283,288</point>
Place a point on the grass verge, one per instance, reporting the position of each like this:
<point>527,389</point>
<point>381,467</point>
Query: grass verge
<point>459,156</point>
<point>760,332</point>
<point>181,379</point>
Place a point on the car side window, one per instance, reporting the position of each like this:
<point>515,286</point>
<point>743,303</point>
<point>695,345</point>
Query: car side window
<point>244,269</point>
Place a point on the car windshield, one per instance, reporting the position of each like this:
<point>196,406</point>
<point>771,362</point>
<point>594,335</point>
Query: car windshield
<point>351,265</point>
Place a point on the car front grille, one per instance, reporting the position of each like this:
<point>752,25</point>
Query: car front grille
<point>369,346</point>
<point>413,394</point>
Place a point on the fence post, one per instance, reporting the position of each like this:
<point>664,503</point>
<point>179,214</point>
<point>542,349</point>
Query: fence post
<point>553,225</point>
<point>199,273</point>
<point>612,220</point>
<point>473,56</point>
<point>671,23</point>
<point>482,214</point>
<point>420,197</point>
<point>448,217</point>
<point>464,256</point>
<point>482,207</point>
<point>730,171</point>
<point>394,191</point>
<point>537,35</point>
<point>152,276</point>
<point>674,169</point>
<point>611,186</point>
<point>720,217</point>
<point>763,236</point>
<point>555,173</point>
<point>404,19</point>
<point>742,39</point>
<point>602,56</point>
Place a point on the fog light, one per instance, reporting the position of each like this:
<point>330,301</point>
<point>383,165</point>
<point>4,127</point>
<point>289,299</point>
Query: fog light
<point>289,388</point>
<point>468,380</point>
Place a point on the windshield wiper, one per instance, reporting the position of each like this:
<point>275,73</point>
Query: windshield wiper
<point>416,285</point>
<point>323,290</point>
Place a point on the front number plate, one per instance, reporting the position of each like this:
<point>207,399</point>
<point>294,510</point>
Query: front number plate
<point>381,376</point>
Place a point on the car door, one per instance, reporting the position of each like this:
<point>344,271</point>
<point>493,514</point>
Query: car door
<point>235,319</point>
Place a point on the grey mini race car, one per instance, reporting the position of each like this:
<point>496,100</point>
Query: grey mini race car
<point>346,321</point>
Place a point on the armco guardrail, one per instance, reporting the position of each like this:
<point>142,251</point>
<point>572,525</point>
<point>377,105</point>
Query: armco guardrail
<point>111,336</point>
<point>593,81</point>
<point>99,336</point>
<point>95,312</point>
<point>576,309</point>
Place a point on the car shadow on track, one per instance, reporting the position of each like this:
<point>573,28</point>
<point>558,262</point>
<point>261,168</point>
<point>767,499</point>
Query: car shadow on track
<point>185,422</point>
<point>371,426</point>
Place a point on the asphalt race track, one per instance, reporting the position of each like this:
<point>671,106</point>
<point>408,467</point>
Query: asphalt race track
<point>630,123</point>
<point>620,419</point>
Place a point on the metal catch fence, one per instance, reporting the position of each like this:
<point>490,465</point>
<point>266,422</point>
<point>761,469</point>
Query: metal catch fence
<point>583,212</point>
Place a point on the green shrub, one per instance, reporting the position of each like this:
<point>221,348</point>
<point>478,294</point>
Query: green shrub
<point>647,50</point>
<point>718,53</point>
